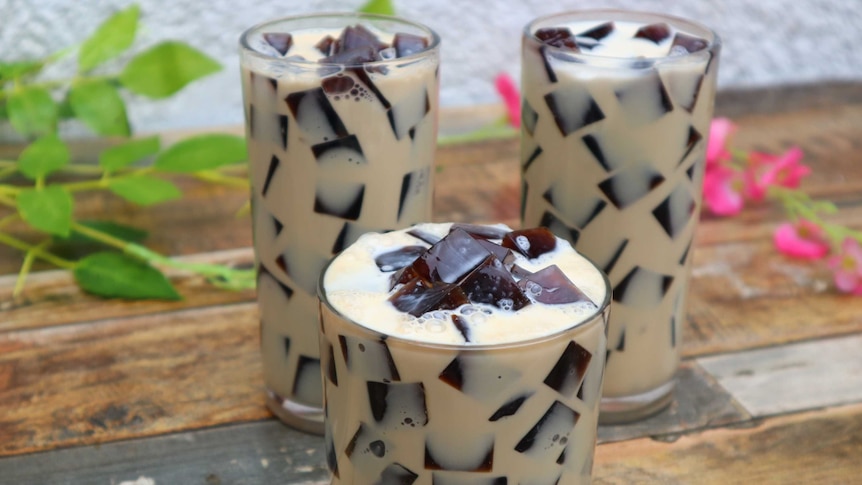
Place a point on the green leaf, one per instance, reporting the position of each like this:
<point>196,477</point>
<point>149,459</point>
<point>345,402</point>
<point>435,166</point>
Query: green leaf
<point>116,275</point>
<point>64,109</point>
<point>203,152</point>
<point>11,70</point>
<point>48,209</point>
<point>165,69</point>
<point>99,105</point>
<point>123,155</point>
<point>382,7</point>
<point>32,111</point>
<point>114,229</point>
<point>114,36</point>
<point>43,156</point>
<point>145,190</point>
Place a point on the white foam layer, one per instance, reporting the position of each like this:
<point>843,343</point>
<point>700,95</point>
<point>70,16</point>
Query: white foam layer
<point>357,289</point>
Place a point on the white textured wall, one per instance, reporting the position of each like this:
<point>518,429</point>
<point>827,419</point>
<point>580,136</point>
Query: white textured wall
<point>765,41</point>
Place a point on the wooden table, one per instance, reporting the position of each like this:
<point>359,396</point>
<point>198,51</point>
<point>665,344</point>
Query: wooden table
<point>110,392</point>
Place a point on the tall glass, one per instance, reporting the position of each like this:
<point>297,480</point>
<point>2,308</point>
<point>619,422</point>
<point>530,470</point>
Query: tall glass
<point>406,411</point>
<point>615,121</point>
<point>337,147</point>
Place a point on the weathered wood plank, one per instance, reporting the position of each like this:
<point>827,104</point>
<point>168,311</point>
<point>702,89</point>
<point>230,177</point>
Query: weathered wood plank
<point>793,377</point>
<point>141,376</point>
<point>130,377</point>
<point>268,452</point>
<point>245,454</point>
<point>815,447</point>
<point>698,403</point>
<point>782,99</point>
<point>51,297</point>
<point>747,295</point>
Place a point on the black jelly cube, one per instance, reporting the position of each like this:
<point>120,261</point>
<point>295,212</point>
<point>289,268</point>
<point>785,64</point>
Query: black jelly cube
<point>551,286</point>
<point>397,404</point>
<point>344,202</point>
<point>398,258</point>
<point>408,44</point>
<point>566,375</point>
<point>642,287</point>
<point>417,298</point>
<point>560,228</point>
<point>509,408</point>
<point>560,37</point>
<point>532,242</point>
<point>573,108</point>
<point>492,284</point>
<point>598,32</point>
<point>480,231</point>
<point>315,115</point>
<point>654,32</point>
<point>630,185</point>
<point>279,41</point>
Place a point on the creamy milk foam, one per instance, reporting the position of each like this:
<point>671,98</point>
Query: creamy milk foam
<point>359,290</point>
<point>613,142</point>
<point>412,402</point>
<point>334,151</point>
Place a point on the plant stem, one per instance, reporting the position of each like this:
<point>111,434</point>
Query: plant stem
<point>86,185</point>
<point>75,168</point>
<point>496,131</point>
<point>26,267</point>
<point>7,171</point>
<point>216,177</point>
<point>233,278</point>
<point>7,201</point>
<point>8,219</point>
<point>40,253</point>
<point>100,236</point>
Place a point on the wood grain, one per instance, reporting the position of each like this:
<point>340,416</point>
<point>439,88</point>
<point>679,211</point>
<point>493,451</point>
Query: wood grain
<point>243,454</point>
<point>817,447</point>
<point>747,295</point>
<point>791,378</point>
<point>130,377</point>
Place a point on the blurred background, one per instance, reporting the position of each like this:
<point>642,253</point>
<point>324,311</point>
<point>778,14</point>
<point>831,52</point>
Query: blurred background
<point>765,42</point>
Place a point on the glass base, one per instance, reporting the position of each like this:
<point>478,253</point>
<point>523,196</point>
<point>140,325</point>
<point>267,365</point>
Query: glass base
<point>305,418</point>
<point>626,409</point>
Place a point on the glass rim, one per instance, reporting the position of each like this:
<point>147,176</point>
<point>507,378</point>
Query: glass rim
<point>611,14</point>
<point>247,50</point>
<point>601,309</point>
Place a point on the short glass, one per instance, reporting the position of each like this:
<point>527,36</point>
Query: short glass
<point>335,149</point>
<point>612,153</point>
<point>404,411</point>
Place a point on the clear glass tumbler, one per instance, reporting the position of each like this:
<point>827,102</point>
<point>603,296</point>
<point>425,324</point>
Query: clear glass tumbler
<point>616,111</point>
<point>341,141</point>
<point>401,410</point>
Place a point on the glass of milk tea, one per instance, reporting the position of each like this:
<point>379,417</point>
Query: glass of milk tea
<point>341,122</point>
<point>456,353</point>
<point>616,108</point>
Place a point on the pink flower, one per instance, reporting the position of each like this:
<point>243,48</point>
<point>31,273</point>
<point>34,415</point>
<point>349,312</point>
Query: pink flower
<point>508,90</point>
<point>722,190</point>
<point>720,131</point>
<point>803,240</point>
<point>765,170</point>
<point>847,267</point>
